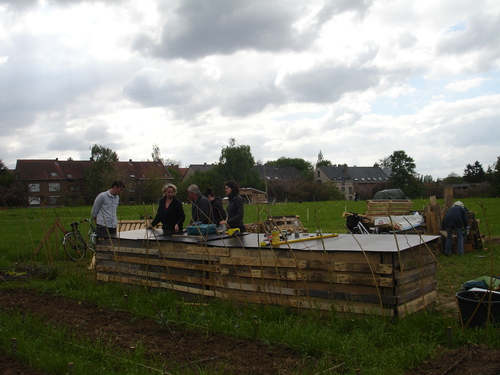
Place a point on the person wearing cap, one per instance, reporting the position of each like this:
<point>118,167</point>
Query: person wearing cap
<point>454,221</point>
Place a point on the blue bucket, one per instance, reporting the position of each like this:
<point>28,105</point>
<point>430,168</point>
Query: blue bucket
<point>474,305</point>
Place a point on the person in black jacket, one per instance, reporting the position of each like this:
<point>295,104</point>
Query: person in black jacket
<point>218,212</point>
<point>170,212</point>
<point>236,207</point>
<point>454,221</point>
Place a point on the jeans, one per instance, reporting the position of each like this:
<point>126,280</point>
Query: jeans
<point>449,240</point>
<point>102,231</point>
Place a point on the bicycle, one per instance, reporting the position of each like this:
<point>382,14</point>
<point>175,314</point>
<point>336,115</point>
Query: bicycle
<point>74,243</point>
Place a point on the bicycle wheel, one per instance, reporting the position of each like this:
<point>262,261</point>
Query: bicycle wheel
<point>74,246</point>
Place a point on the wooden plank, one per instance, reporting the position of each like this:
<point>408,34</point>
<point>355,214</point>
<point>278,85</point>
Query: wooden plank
<point>418,304</point>
<point>333,266</point>
<point>156,252</point>
<point>160,262</point>
<point>261,288</point>
<point>159,276</point>
<point>155,284</point>
<point>265,262</point>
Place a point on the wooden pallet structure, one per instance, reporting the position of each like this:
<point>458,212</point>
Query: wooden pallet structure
<point>326,274</point>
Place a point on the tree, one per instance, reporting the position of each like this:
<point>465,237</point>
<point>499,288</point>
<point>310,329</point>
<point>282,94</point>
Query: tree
<point>474,173</point>
<point>305,167</point>
<point>236,163</point>
<point>403,175</point>
<point>321,162</point>
<point>9,190</point>
<point>453,179</point>
<point>493,177</point>
<point>101,153</point>
<point>102,173</point>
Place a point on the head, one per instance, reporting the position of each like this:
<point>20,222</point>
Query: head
<point>209,194</point>
<point>193,192</point>
<point>117,187</point>
<point>169,190</point>
<point>458,203</point>
<point>232,188</point>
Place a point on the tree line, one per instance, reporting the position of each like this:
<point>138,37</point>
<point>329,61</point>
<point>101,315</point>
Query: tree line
<point>236,162</point>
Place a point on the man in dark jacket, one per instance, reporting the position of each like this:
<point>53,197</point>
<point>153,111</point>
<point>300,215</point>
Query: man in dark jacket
<point>201,210</point>
<point>455,220</point>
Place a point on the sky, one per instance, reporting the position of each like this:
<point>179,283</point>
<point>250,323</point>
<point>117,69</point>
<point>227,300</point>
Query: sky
<point>353,79</point>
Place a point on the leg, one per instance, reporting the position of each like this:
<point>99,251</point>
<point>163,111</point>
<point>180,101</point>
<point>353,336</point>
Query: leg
<point>460,241</point>
<point>449,240</point>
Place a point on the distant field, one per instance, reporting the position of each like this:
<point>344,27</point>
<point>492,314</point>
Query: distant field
<point>22,230</point>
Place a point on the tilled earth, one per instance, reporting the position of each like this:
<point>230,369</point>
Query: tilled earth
<point>236,356</point>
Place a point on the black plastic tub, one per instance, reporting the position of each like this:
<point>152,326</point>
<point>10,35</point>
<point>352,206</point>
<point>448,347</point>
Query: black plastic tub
<point>474,307</point>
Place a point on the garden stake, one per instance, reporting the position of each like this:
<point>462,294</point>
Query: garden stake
<point>255,326</point>
<point>125,297</point>
<point>13,346</point>
<point>175,339</point>
<point>448,336</point>
<point>70,368</point>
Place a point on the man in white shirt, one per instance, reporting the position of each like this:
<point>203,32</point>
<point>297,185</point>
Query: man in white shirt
<point>104,209</point>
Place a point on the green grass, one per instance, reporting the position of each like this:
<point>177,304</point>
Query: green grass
<point>377,345</point>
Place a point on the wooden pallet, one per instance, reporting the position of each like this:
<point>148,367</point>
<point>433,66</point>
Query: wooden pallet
<point>388,207</point>
<point>126,225</point>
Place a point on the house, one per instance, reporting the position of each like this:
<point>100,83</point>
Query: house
<point>353,181</point>
<point>271,173</point>
<point>193,168</point>
<point>55,182</point>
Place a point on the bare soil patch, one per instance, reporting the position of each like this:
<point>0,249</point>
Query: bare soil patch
<point>237,356</point>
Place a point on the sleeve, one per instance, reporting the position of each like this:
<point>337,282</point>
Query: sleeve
<point>181,216</point>
<point>97,205</point>
<point>206,210</point>
<point>156,220</point>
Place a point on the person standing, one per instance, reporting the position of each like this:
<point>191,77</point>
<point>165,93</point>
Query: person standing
<point>217,210</point>
<point>454,221</point>
<point>201,210</point>
<point>104,209</point>
<point>170,212</point>
<point>236,207</point>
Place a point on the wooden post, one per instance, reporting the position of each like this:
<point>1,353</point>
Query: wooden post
<point>448,196</point>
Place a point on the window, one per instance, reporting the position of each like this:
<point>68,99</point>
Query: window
<point>53,174</point>
<point>34,188</point>
<point>54,186</point>
<point>53,199</point>
<point>34,201</point>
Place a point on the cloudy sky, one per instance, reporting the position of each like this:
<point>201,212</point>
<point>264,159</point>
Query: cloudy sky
<point>356,79</point>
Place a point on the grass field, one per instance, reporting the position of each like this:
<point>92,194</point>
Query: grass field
<point>379,344</point>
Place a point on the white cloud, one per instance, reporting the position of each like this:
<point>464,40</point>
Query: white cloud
<point>464,85</point>
<point>355,79</point>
